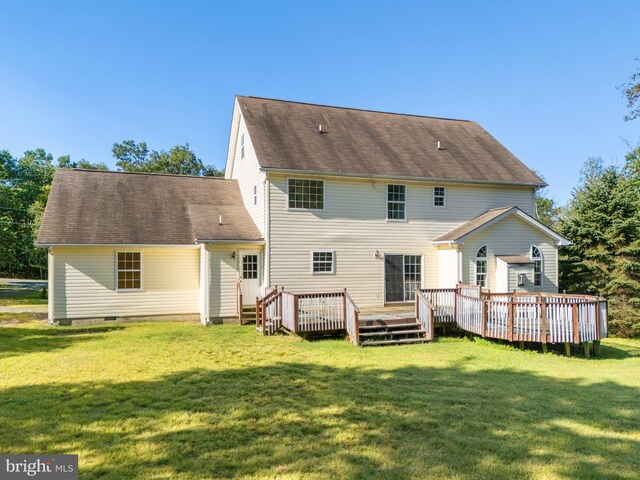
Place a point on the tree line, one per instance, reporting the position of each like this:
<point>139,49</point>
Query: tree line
<point>25,183</point>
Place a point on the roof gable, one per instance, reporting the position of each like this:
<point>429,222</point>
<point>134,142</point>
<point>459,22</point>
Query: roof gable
<point>113,208</point>
<point>488,218</point>
<point>286,136</point>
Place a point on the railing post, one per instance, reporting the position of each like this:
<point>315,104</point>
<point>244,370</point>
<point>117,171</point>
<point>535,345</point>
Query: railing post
<point>597,320</point>
<point>485,316</point>
<point>543,321</point>
<point>344,308</point>
<point>356,327</point>
<point>576,333</point>
<point>258,322</point>
<point>510,322</point>
<point>264,315</point>
<point>295,313</point>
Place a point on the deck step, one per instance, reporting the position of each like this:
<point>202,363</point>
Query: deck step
<point>393,342</point>
<point>392,332</point>
<point>388,326</point>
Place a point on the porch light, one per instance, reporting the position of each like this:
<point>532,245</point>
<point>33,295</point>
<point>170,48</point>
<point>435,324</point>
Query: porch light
<point>377,254</point>
<point>233,255</point>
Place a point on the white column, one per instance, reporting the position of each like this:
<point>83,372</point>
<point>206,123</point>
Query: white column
<point>50,284</point>
<point>204,284</point>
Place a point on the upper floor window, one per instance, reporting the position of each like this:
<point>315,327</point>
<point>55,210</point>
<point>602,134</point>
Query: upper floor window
<point>481,266</point>
<point>129,271</point>
<point>241,146</point>
<point>307,194</point>
<point>396,202</point>
<point>322,261</point>
<point>438,196</point>
<point>536,256</point>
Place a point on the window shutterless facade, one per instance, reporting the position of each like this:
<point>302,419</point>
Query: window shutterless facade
<point>439,196</point>
<point>129,270</point>
<point>396,202</point>
<point>536,256</point>
<point>305,194</point>
<point>481,266</point>
<point>322,262</point>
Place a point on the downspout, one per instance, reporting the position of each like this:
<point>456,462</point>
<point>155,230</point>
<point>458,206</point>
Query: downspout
<point>267,231</point>
<point>50,284</point>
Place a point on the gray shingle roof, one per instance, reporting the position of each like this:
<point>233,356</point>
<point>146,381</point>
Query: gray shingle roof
<point>515,259</point>
<point>473,224</point>
<point>95,207</point>
<point>361,142</point>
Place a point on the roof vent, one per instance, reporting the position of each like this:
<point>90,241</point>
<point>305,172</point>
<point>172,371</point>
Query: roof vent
<point>439,147</point>
<point>319,128</point>
<point>220,220</point>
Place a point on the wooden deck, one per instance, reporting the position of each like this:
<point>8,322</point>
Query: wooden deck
<point>516,317</point>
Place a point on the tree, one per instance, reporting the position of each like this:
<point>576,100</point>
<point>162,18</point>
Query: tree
<point>66,162</point>
<point>181,160</point>
<point>547,209</point>
<point>631,91</point>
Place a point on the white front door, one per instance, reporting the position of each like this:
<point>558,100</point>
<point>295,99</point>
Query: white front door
<point>250,276</point>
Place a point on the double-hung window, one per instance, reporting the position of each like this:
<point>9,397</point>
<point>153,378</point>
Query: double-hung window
<point>322,262</point>
<point>129,271</point>
<point>536,256</point>
<point>242,146</point>
<point>438,196</point>
<point>306,194</point>
<point>396,202</point>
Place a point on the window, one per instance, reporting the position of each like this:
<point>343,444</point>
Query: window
<point>255,194</point>
<point>249,267</point>
<point>308,194</point>
<point>128,271</point>
<point>481,266</point>
<point>438,196</point>
<point>396,202</point>
<point>412,272</point>
<point>536,256</point>
<point>322,262</point>
<point>241,146</point>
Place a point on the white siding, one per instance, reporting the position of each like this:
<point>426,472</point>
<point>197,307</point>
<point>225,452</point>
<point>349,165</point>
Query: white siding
<point>247,171</point>
<point>223,281</point>
<point>353,224</point>
<point>85,283</point>
<point>511,236</point>
<point>448,267</point>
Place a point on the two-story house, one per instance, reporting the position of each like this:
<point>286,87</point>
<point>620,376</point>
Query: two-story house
<point>316,198</point>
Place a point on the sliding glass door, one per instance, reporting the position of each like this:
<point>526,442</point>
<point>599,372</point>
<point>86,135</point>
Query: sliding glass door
<point>402,275</point>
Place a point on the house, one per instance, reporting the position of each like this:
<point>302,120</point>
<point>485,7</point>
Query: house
<point>315,198</point>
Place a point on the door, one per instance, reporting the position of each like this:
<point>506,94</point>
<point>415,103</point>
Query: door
<point>402,275</point>
<point>250,276</point>
<point>393,278</point>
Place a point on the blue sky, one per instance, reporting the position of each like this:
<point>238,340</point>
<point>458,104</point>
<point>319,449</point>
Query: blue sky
<point>75,77</point>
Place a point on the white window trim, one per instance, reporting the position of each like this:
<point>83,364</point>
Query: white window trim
<point>298,209</point>
<point>333,262</point>
<point>406,203</point>
<point>125,290</point>
<point>475,266</point>
<point>541,259</point>
<point>444,197</point>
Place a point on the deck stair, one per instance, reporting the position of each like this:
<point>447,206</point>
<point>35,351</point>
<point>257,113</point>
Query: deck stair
<point>248,314</point>
<point>390,332</point>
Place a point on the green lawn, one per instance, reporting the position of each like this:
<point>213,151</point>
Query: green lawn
<point>10,296</point>
<point>177,400</point>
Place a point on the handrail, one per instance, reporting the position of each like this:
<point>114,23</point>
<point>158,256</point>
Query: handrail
<point>424,313</point>
<point>351,319</point>
<point>239,300</point>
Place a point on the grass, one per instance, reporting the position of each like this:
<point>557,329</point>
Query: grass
<point>180,401</point>
<point>11,296</point>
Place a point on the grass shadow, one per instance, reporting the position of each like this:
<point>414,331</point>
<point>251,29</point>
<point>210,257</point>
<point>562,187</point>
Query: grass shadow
<point>300,419</point>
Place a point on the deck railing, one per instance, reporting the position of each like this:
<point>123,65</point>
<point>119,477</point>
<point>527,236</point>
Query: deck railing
<point>351,316</point>
<point>320,312</point>
<point>271,314</point>
<point>239,300</point>
<point>425,313</point>
<point>443,301</point>
<point>533,317</point>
